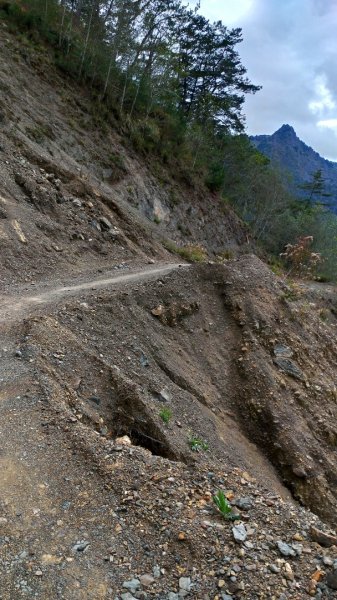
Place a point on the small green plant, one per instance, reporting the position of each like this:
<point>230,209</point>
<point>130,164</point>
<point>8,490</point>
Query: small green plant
<point>324,314</point>
<point>190,252</point>
<point>196,444</point>
<point>156,220</point>
<point>223,506</point>
<point>166,415</point>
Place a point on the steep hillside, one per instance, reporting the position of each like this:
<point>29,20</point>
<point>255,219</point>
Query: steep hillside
<point>297,159</point>
<point>135,389</point>
<point>67,177</point>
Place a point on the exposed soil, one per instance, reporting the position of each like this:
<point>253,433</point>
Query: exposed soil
<point>133,388</point>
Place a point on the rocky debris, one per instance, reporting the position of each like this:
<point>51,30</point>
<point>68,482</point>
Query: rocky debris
<point>331,580</point>
<point>323,538</point>
<point>239,533</point>
<point>289,367</point>
<point>282,351</point>
<point>285,549</point>
<point>105,223</point>
<point>174,312</point>
<point>81,546</point>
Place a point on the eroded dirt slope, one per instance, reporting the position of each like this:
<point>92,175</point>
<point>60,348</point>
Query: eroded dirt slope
<point>90,513</point>
<point>73,195</point>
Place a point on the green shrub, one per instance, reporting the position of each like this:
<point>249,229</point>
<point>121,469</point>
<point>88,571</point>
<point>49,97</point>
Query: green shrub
<point>223,506</point>
<point>197,444</point>
<point>166,415</point>
<point>190,252</point>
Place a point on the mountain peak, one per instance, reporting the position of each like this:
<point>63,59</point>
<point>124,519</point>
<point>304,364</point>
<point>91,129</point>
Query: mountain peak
<point>287,130</point>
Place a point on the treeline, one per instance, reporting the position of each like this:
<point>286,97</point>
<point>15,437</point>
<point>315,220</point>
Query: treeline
<point>175,78</point>
<point>277,217</point>
<point>174,82</point>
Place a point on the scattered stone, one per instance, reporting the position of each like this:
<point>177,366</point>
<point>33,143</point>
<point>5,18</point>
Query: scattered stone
<point>105,223</point>
<point>283,351</point>
<point>245,503</point>
<point>131,585</point>
<point>185,584</point>
<point>322,538</point>
<point>239,533</point>
<point>81,546</point>
<point>285,549</point>
<point>331,580</point>
<point>289,367</point>
<point>156,572</point>
<point>124,441</point>
<point>163,396</point>
<point>146,580</point>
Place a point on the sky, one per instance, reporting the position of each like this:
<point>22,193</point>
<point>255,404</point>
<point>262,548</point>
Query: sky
<point>290,48</point>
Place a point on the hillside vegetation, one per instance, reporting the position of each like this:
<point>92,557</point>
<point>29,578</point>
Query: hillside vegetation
<point>172,83</point>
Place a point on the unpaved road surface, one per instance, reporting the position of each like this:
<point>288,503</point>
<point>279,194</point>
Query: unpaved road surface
<point>50,498</point>
<point>15,307</point>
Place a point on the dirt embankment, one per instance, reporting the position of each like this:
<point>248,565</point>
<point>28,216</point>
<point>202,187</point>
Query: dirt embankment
<point>74,194</point>
<point>234,359</point>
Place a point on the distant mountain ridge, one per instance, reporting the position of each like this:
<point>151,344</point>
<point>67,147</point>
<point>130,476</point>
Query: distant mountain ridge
<point>300,161</point>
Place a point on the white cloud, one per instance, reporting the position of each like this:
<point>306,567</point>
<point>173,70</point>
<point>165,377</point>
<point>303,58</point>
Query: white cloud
<point>328,124</point>
<point>324,101</point>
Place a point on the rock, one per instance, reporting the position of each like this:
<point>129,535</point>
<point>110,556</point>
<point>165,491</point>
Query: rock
<point>226,597</point>
<point>146,580</point>
<point>322,538</point>
<point>285,549</point>
<point>114,233</point>
<point>124,441</point>
<point>131,585</point>
<point>77,203</point>
<point>289,367</point>
<point>185,584</point>
<point>288,574</point>
<point>239,533</point>
<point>81,546</point>
<point>280,350</point>
<point>38,573</point>
<point>173,596</point>
<point>163,396</point>
<point>158,311</point>
<point>331,580</point>
<point>156,571</point>
<point>128,596</point>
<point>274,569</point>
<point>96,225</point>
<point>18,353</point>
<point>245,503</point>
<point>144,361</point>
<point>105,223</point>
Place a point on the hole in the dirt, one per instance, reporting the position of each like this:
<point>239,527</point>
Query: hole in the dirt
<point>158,447</point>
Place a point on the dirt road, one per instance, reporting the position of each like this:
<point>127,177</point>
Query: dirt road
<point>51,498</point>
<point>12,308</point>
